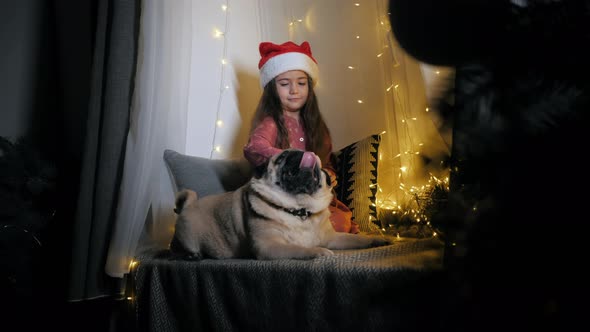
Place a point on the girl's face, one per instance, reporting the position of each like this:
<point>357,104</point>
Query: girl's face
<point>293,88</point>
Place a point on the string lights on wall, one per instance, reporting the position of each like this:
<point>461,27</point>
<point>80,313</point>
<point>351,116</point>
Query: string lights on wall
<point>223,84</point>
<point>357,68</point>
<point>401,192</point>
<point>295,21</point>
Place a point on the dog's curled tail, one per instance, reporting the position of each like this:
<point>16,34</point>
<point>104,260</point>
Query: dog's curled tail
<point>184,198</point>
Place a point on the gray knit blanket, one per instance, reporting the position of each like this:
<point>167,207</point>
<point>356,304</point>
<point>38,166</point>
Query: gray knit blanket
<point>392,288</point>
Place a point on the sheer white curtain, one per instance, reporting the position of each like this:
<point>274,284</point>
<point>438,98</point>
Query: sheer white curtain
<point>158,121</point>
<point>187,98</point>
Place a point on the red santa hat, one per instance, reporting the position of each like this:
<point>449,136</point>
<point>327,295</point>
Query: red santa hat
<point>277,59</point>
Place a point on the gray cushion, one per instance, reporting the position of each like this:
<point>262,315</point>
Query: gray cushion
<point>206,176</point>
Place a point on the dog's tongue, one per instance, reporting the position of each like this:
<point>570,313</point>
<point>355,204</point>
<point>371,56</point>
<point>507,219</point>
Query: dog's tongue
<point>308,160</point>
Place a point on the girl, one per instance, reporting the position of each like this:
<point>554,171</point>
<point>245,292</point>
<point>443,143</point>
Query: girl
<point>288,116</point>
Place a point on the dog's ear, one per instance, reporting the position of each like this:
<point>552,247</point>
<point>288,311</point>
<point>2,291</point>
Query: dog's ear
<point>179,201</point>
<point>280,158</point>
<point>260,170</point>
<point>183,198</point>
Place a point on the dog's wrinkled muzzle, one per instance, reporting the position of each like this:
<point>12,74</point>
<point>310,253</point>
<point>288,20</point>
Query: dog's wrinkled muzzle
<point>300,173</point>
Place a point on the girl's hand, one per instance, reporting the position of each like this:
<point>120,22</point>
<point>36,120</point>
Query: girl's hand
<point>332,177</point>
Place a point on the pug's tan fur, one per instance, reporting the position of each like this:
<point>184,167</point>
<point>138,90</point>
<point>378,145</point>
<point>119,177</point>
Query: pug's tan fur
<point>265,221</point>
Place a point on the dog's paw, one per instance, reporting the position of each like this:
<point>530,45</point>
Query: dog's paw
<point>185,256</point>
<point>321,252</point>
<point>379,241</point>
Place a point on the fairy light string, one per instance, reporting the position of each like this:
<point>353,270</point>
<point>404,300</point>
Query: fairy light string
<point>401,194</point>
<point>223,85</point>
<point>405,198</point>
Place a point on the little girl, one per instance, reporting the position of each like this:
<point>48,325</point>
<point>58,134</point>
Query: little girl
<point>288,116</point>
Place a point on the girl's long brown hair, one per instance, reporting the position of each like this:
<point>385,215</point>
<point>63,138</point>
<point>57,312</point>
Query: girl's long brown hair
<point>315,128</point>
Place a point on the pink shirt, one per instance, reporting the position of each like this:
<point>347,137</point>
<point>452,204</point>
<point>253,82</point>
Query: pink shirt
<point>261,145</point>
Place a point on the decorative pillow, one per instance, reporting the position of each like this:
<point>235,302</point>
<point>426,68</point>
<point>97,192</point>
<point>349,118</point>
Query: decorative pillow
<point>356,167</point>
<point>206,176</point>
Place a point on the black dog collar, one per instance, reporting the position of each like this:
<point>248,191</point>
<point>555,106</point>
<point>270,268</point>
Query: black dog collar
<point>301,213</point>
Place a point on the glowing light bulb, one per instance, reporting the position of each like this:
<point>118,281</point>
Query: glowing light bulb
<point>219,123</point>
<point>217,33</point>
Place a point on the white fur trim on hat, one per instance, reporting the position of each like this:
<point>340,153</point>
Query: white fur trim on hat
<point>288,61</point>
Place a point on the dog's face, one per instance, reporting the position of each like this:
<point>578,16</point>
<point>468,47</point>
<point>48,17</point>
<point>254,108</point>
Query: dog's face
<point>285,171</point>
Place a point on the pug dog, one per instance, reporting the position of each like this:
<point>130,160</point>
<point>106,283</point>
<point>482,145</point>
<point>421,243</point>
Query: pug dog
<point>281,213</point>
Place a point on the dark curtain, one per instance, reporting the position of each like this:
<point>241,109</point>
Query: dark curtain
<point>105,132</point>
<point>82,68</point>
<point>86,68</point>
